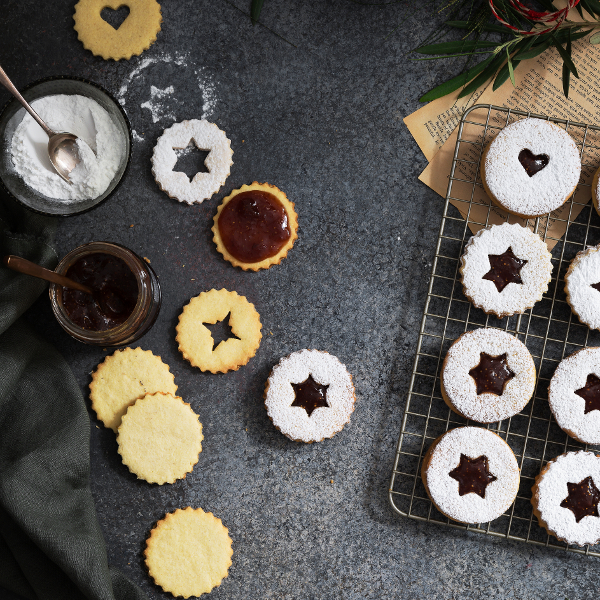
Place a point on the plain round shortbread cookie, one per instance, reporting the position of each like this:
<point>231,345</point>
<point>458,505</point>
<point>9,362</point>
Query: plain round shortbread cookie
<point>326,371</point>
<point>292,220</point>
<point>196,342</point>
<point>508,183</point>
<point>160,438</point>
<point>515,297</point>
<point>136,33</point>
<point>583,273</point>
<point>189,552</point>
<point>459,389</point>
<point>551,489</point>
<point>206,136</point>
<point>124,377</point>
<point>445,455</point>
<point>569,408</point>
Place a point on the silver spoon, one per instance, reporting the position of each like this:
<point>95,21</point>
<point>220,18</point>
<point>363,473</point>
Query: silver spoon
<point>62,147</point>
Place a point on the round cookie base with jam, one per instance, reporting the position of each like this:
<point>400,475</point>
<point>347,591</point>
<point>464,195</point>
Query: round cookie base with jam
<point>574,395</point>
<point>463,363</point>
<point>508,181</point>
<point>582,286</point>
<point>528,284</point>
<point>567,485</point>
<point>320,413</point>
<point>445,456</point>
<point>137,32</point>
<point>276,208</point>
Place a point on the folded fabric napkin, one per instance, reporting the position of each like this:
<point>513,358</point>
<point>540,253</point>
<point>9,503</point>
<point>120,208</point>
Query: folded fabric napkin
<point>51,545</point>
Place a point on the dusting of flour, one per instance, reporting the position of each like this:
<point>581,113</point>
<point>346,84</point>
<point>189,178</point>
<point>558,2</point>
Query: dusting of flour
<point>100,146</point>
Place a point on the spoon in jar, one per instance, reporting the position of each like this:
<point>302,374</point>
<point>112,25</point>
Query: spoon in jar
<point>110,305</point>
<point>63,151</point>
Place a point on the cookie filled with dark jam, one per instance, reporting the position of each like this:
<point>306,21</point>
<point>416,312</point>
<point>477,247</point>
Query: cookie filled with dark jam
<point>115,292</point>
<point>254,226</point>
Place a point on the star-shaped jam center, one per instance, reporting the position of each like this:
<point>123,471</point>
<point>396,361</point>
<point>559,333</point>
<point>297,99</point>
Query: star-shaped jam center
<point>583,499</point>
<point>473,475</point>
<point>596,286</point>
<point>590,392</point>
<point>310,395</point>
<point>491,374</point>
<point>506,268</point>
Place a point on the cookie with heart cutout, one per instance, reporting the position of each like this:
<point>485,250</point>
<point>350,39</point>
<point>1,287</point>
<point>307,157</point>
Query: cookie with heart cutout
<point>531,168</point>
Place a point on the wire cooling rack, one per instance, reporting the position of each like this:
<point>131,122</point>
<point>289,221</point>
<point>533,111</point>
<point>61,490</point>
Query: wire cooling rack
<point>549,330</point>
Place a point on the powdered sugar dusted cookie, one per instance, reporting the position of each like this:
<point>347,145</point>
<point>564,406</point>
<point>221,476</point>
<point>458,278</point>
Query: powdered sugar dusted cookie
<point>309,396</point>
<point>487,376</point>
<point>471,475</point>
<point>207,136</point>
<point>574,395</point>
<point>189,552</point>
<point>531,167</point>
<point>160,438</point>
<point>505,269</point>
<point>566,495</point>
<point>582,286</point>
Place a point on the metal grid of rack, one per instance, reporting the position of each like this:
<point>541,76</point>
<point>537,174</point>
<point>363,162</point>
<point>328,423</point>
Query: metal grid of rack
<point>549,330</point>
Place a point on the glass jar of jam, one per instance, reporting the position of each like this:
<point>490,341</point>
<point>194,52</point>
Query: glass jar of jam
<point>126,298</point>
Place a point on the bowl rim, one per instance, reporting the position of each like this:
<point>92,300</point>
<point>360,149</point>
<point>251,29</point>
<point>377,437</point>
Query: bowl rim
<point>13,100</point>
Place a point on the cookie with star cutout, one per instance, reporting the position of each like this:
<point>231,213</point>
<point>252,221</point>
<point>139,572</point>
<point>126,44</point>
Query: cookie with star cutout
<point>574,395</point>
<point>565,498</point>
<point>309,396</point>
<point>488,375</point>
<point>505,269</point>
<point>471,475</point>
<point>582,286</point>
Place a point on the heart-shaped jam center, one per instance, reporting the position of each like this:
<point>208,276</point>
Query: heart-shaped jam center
<point>533,163</point>
<point>114,17</point>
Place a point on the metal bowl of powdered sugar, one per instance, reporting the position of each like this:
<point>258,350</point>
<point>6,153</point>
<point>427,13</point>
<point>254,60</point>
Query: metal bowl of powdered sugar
<point>76,106</point>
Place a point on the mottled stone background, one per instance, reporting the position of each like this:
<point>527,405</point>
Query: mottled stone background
<point>313,102</point>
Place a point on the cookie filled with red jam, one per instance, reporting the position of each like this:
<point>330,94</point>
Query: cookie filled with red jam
<point>471,475</point>
<point>566,495</point>
<point>255,226</point>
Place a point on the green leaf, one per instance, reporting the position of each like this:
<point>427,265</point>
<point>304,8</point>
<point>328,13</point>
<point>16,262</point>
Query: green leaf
<point>474,25</point>
<point>453,84</point>
<point>510,68</point>
<point>566,71</point>
<point>255,10</point>
<point>489,72</point>
<point>455,47</point>
<point>566,56</point>
<point>591,6</point>
<point>534,51</point>
<point>595,39</point>
<point>504,74</point>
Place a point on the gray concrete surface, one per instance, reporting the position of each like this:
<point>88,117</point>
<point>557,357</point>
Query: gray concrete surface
<point>316,109</point>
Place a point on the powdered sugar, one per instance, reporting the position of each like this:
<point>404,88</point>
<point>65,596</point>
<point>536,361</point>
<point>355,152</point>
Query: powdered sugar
<point>460,387</point>
<point>156,104</point>
<point>515,297</point>
<point>551,489</point>
<point>568,408</point>
<point>472,442</point>
<point>207,136</point>
<point>584,272</point>
<point>324,422</point>
<point>548,189</point>
<point>98,133</point>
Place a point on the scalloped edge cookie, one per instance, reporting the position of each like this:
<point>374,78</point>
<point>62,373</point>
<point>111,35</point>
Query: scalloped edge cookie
<point>292,219</point>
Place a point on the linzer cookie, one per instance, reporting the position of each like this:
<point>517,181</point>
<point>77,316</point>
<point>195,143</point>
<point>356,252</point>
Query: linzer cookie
<point>574,395</point>
<point>206,136</point>
<point>471,475</point>
<point>189,552</point>
<point>309,396</point>
<point>124,377</point>
<point>255,226</point>
<point>487,376</point>
<point>566,495</point>
<point>160,438</point>
<point>505,269</point>
<point>582,286</point>
<point>596,191</point>
<point>135,34</point>
<point>196,342</point>
<point>531,168</point>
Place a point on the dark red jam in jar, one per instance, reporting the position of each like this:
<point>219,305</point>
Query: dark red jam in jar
<point>126,295</point>
<point>115,292</point>
<point>254,226</point>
